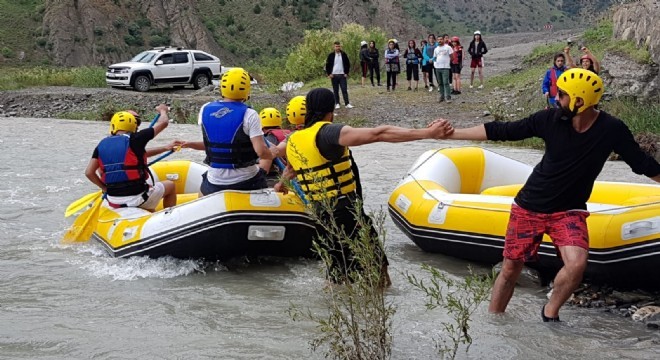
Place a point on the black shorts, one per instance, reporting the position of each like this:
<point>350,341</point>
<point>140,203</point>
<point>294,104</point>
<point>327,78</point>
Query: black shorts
<point>428,68</point>
<point>456,68</point>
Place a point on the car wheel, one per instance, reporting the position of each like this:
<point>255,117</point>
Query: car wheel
<point>142,83</point>
<point>200,81</point>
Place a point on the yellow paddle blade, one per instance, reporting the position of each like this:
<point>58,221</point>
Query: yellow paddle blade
<point>84,226</point>
<point>79,204</point>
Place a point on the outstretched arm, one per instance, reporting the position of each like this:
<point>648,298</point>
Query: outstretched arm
<point>350,136</point>
<point>161,149</point>
<point>473,133</point>
<point>163,120</point>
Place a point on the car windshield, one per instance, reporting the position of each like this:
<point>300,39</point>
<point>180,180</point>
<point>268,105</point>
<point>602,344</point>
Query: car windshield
<point>144,57</point>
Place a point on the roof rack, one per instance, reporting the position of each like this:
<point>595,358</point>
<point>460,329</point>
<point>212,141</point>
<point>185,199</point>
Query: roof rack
<point>163,48</point>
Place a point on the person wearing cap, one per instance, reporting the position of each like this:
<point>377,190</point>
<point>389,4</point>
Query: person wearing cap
<point>337,67</point>
<point>232,138</point>
<point>119,163</point>
<point>365,60</point>
<point>578,141</point>
<point>456,64</point>
<point>477,49</point>
<point>587,61</point>
<point>319,156</point>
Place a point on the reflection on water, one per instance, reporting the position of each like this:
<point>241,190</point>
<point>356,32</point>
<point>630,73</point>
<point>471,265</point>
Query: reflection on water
<point>76,302</point>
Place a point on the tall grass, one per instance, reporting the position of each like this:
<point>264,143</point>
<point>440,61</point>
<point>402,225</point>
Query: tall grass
<point>20,78</point>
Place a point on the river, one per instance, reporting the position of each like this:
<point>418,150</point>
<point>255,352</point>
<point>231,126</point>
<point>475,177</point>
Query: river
<point>75,302</point>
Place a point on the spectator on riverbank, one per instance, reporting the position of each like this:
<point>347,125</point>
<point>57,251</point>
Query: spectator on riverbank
<point>391,64</point>
<point>442,66</point>
<point>456,64</point>
<point>364,60</point>
<point>427,63</point>
<point>587,61</point>
<point>413,57</point>
<point>549,85</point>
<point>337,67</point>
<point>374,64</point>
<point>578,141</point>
<point>477,49</point>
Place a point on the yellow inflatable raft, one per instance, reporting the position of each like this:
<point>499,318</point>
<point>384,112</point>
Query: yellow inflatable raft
<point>456,201</point>
<point>219,226</point>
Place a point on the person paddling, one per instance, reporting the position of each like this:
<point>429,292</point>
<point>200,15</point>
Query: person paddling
<point>121,160</point>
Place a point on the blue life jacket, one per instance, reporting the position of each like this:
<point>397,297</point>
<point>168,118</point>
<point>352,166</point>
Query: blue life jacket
<point>121,168</point>
<point>411,58</point>
<point>227,145</point>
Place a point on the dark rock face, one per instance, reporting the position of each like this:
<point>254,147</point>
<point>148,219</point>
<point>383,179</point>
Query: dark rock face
<point>638,22</point>
<point>93,32</point>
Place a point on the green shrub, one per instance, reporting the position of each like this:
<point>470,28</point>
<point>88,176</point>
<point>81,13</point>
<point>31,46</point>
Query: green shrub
<point>48,76</point>
<point>256,9</point>
<point>307,60</point>
<point>7,53</point>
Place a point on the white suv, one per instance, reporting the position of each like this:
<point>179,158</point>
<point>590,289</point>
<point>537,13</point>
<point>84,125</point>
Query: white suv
<point>165,66</point>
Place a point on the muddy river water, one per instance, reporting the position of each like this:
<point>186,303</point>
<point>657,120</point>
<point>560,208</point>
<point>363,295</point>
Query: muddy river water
<point>75,302</point>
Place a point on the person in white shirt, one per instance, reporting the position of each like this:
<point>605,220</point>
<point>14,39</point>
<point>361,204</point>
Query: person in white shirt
<point>233,139</point>
<point>442,64</point>
<point>337,67</point>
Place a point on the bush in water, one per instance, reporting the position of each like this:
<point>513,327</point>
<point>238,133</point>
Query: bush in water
<point>460,299</point>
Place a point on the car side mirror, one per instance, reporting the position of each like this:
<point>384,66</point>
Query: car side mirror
<point>159,62</point>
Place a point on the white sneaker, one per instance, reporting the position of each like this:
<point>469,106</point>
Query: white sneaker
<point>481,86</point>
<point>349,106</point>
<point>337,106</point>
<point>471,86</point>
<point>430,88</point>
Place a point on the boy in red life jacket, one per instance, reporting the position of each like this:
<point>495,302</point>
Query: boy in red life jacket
<point>121,161</point>
<point>456,64</point>
<point>271,124</point>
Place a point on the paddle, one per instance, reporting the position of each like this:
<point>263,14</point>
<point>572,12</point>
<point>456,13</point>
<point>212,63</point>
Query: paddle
<point>296,187</point>
<point>84,226</point>
<point>79,204</point>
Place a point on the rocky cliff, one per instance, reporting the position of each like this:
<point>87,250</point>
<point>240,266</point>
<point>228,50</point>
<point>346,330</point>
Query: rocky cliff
<point>636,22</point>
<point>93,32</point>
<point>385,14</point>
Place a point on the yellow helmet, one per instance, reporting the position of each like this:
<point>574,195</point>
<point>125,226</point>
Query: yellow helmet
<point>296,110</point>
<point>235,84</point>
<point>581,83</point>
<point>270,117</point>
<point>123,121</point>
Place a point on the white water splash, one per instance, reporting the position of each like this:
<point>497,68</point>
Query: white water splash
<point>141,267</point>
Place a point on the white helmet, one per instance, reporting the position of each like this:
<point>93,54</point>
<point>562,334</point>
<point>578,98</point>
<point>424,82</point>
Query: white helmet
<point>477,32</point>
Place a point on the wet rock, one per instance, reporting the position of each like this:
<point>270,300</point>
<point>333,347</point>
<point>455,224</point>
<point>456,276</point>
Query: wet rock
<point>647,313</point>
<point>629,297</point>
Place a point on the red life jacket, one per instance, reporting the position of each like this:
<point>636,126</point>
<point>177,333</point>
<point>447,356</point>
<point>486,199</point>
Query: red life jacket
<point>122,171</point>
<point>457,55</point>
<point>553,82</point>
<point>280,134</point>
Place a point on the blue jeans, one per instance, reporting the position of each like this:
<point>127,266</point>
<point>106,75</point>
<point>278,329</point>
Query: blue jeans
<point>255,183</point>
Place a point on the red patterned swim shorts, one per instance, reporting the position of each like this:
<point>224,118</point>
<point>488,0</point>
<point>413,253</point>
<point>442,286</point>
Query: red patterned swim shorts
<point>526,228</point>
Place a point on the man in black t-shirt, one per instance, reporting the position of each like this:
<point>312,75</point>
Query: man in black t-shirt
<point>121,160</point>
<point>578,140</point>
<point>320,157</point>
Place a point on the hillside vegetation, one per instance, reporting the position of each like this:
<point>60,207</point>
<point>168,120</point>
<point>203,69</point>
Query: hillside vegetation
<point>97,32</point>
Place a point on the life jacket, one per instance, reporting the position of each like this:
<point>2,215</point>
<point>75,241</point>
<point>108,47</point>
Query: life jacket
<point>457,55</point>
<point>553,81</point>
<point>227,145</point>
<point>121,169</point>
<point>319,177</point>
<point>411,57</point>
<point>393,60</point>
<point>279,134</point>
